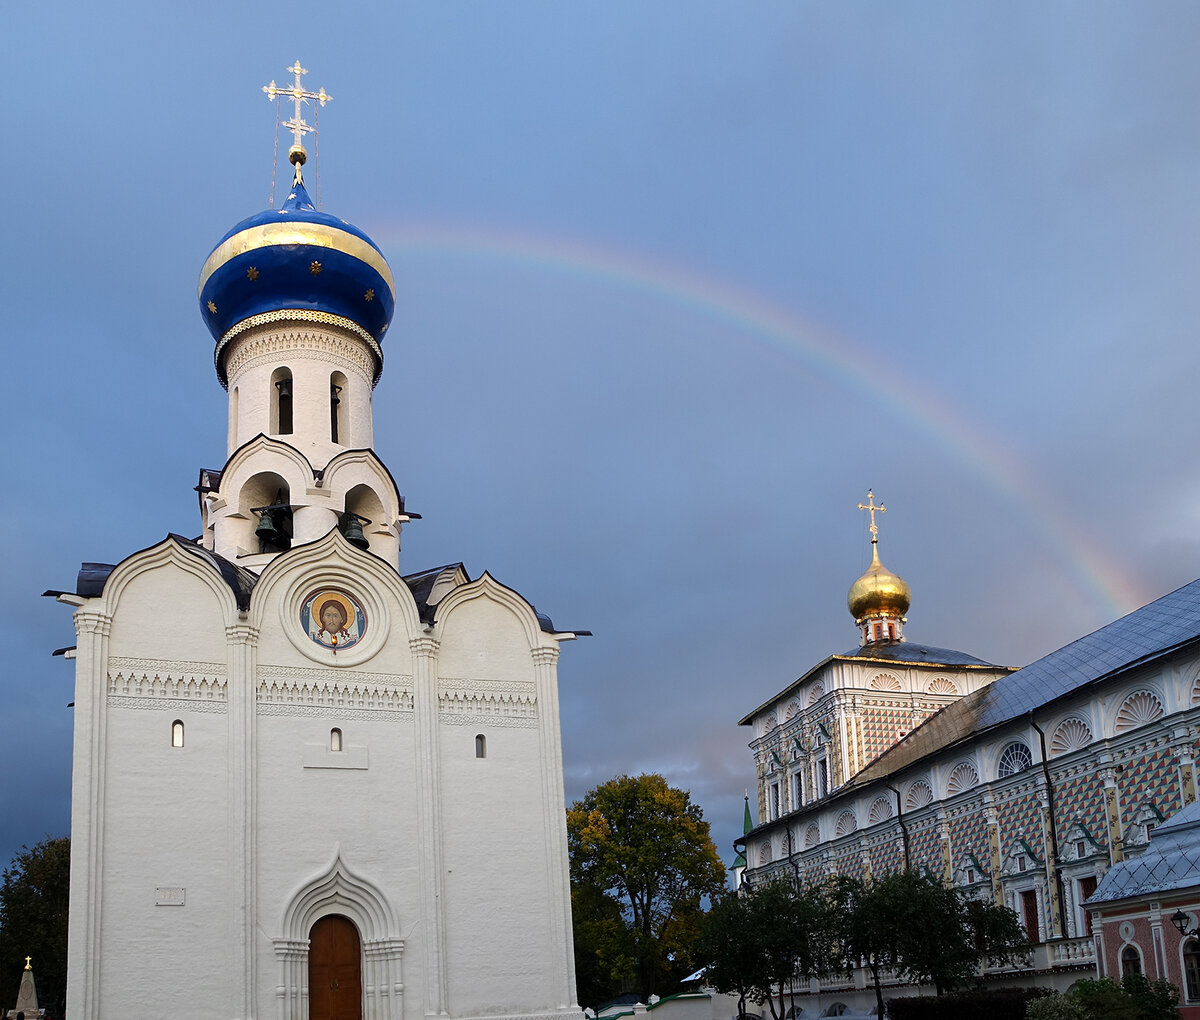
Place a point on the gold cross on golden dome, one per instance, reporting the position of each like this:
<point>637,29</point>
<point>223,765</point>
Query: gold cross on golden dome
<point>870,506</point>
<point>297,125</point>
<point>29,963</point>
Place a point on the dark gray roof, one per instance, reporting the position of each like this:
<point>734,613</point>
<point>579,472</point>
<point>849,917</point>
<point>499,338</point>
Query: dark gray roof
<point>892,651</point>
<point>421,585</point>
<point>1171,861</point>
<point>239,579</point>
<point>1146,634</point>
<point>907,651</point>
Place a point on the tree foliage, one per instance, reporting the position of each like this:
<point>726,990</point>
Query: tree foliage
<point>759,943</point>
<point>642,866</point>
<point>1135,998</point>
<point>34,894</point>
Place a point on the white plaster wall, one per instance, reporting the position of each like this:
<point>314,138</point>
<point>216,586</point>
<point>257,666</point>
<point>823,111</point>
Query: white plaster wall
<point>498,909</point>
<point>311,353</point>
<point>188,818</point>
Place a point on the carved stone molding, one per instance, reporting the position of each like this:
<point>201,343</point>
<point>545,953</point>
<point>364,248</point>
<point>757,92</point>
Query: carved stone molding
<point>293,315</point>
<point>167,705</point>
<point>489,688</point>
<point>176,690</point>
<point>302,675</point>
<point>422,644</point>
<point>545,656</point>
<point>268,347</point>
<point>175,667</point>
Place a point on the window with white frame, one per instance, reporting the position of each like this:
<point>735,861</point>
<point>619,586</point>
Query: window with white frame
<point>822,769</point>
<point>774,796</point>
<point>1013,759</point>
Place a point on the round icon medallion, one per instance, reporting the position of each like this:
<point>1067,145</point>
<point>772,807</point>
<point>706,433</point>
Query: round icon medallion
<point>333,619</point>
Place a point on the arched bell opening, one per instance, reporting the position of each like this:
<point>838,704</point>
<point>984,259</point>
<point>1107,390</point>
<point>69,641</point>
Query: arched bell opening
<point>282,398</point>
<point>365,522</point>
<point>264,505</point>
<point>339,409</point>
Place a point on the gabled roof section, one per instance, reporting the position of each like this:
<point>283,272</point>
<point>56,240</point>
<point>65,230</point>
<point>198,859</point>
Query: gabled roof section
<point>92,577</point>
<point>894,651</point>
<point>1171,861</point>
<point>239,579</point>
<point>1158,629</point>
<point>428,586</point>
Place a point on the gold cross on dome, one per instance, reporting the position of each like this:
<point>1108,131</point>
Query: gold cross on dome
<point>29,963</point>
<point>297,125</point>
<point>870,506</point>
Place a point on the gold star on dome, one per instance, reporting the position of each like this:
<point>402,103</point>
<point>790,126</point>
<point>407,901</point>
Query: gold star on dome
<point>370,294</point>
<point>252,273</point>
<point>212,307</point>
<point>315,268</point>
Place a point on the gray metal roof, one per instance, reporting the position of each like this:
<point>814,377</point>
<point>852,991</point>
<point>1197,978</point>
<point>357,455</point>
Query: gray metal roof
<point>1145,634</point>
<point>907,651</point>
<point>1171,861</point>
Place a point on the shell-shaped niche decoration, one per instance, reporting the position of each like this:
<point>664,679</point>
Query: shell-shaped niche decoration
<point>1071,735</point>
<point>1139,709</point>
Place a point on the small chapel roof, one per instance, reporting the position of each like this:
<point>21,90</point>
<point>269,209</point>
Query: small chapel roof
<point>881,651</point>
<point>1146,634</point>
<point>1171,861</point>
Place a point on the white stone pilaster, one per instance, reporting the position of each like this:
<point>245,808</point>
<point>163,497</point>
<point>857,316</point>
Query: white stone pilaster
<point>558,878</point>
<point>242,648</point>
<point>429,820</point>
<point>87,811</point>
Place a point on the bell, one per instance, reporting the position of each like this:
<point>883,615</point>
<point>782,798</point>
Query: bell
<point>352,530</point>
<point>268,531</point>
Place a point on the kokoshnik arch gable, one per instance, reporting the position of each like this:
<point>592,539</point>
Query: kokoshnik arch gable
<point>306,785</point>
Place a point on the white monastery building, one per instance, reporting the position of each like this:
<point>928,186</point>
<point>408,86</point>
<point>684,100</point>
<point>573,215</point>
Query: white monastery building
<point>307,785</point>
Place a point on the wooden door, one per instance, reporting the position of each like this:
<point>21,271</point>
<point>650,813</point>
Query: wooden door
<point>334,970</point>
<point>1029,914</point>
<point>1087,886</point>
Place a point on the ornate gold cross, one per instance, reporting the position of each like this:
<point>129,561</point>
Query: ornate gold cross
<point>297,125</point>
<point>870,506</point>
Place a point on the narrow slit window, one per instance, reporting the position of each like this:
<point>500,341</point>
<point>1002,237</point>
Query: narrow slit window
<point>281,401</point>
<point>335,739</point>
<point>177,733</point>
<point>480,746</point>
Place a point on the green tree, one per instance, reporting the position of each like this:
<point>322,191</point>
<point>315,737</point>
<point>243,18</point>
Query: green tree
<point>943,936</point>
<point>757,944</point>
<point>34,894</point>
<point>641,846</point>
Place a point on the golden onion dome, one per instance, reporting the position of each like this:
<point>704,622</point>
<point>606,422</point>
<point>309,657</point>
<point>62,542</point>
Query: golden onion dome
<point>878,592</point>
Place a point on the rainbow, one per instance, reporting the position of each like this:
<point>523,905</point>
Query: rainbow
<point>837,356</point>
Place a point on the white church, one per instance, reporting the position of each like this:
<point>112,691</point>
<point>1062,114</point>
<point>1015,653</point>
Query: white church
<point>305,784</point>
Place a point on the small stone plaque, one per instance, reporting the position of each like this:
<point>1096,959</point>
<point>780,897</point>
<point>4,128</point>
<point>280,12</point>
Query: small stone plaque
<point>168,896</point>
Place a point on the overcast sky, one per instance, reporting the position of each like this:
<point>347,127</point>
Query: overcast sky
<point>677,282</point>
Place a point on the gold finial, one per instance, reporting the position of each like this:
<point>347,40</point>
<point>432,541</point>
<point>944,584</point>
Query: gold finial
<point>870,505</point>
<point>297,155</point>
<point>28,963</point>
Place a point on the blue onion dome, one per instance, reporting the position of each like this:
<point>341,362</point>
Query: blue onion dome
<point>299,260</point>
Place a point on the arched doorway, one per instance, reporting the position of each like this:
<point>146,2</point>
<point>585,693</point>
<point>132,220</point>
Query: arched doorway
<point>334,970</point>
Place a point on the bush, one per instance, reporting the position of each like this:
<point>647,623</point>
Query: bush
<point>1055,1007</point>
<point>992,1003</point>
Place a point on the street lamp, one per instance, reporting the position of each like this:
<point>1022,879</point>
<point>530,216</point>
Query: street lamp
<point>1180,920</point>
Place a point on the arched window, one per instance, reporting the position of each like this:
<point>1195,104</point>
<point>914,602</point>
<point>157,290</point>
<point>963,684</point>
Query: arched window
<point>1015,758</point>
<point>281,402</point>
<point>480,746</point>
<point>177,733</point>
<point>1191,969</point>
<point>335,739</point>
<point>1131,960</point>
<point>338,409</point>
